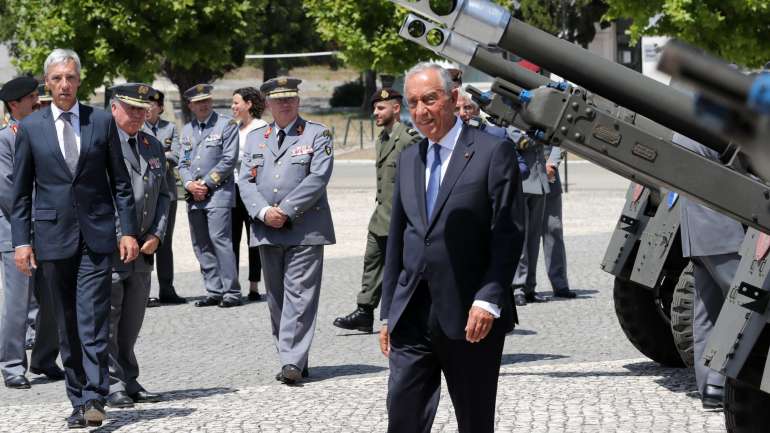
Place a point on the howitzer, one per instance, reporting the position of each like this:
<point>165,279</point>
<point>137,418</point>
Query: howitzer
<point>620,140</point>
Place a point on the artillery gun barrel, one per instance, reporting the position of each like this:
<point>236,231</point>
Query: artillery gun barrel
<point>490,24</point>
<point>463,50</point>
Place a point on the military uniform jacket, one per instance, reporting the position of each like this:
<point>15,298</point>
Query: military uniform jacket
<point>400,138</point>
<point>210,156</point>
<point>293,178</point>
<point>169,139</point>
<point>151,196</point>
<point>7,146</point>
<point>705,232</point>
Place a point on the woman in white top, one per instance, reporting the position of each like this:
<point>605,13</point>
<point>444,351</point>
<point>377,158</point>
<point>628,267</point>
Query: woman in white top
<point>248,105</point>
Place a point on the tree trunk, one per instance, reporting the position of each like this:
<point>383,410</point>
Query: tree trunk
<point>269,69</point>
<point>184,79</point>
<point>370,85</point>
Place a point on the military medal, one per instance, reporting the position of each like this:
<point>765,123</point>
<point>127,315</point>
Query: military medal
<point>269,130</point>
<point>154,163</point>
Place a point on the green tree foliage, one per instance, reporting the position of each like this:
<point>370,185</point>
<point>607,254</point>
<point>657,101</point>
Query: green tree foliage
<point>188,41</point>
<point>366,33</point>
<point>736,30</point>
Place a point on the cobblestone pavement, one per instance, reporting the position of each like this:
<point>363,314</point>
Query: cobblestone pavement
<point>567,367</point>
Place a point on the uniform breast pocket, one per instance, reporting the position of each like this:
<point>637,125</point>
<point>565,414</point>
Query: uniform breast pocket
<point>301,163</point>
<point>256,167</point>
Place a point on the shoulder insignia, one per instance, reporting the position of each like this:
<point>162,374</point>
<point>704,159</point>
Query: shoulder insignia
<point>300,129</point>
<point>269,130</point>
<point>411,131</point>
<point>326,133</point>
<point>15,128</point>
<point>328,149</point>
<point>146,142</point>
<point>168,140</point>
<point>232,122</point>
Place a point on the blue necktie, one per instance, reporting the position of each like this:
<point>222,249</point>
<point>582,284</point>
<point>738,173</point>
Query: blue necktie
<point>434,180</point>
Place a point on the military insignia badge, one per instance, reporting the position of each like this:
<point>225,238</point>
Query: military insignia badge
<point>300,129</point>
<point>168,141</point>
<point>154,163</point>
<point>200,88</point>
<point>216,177</point>
<point>328,150</point>
<point>282,81</point>
<point>269,130</point>
<point>15,128</point>
<point>143,90</point>
<point>146,142</point>
<point>384,94</point>
<point>326,133</point>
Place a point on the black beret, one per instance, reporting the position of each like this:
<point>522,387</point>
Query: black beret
<point>385,94</point>
<point>18,88</point>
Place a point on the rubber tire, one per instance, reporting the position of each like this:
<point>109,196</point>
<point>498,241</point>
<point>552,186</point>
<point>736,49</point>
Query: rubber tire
<point>746,407</point>
<point>682,315</point>
<point>644,324</point>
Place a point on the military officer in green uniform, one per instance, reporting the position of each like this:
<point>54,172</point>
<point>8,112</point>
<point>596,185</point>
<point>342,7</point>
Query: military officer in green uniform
<point>395,137</point>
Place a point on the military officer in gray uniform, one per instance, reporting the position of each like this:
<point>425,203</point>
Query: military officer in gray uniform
<point>712,242</point>
<point>535,187</point>
<point>285,168</point>
<point>553,230</point>
<point>20,98</point>
<point>207,157</point>
<point>146,165</point>
<point>165,132</point>
<point>395,137</point>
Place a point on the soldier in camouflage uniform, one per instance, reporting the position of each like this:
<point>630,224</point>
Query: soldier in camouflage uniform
<point>395,137</point>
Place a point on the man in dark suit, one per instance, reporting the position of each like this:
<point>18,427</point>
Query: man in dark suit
<point>70,155</point>
<point>456,233</point>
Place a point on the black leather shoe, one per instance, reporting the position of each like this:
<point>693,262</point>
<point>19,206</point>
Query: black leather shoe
<point>713,397</point>
<point>76,419</point>
<point>564,293</point>
<point>229,303</point>
<point>53,372</point>
<point>119,400</point>
<point>94,413</point>
<point>519,300</point>
<point>360,320</point>
<point>153,302</point>
<point>535,298</point>
<point>145,396</point>
<point>17,382</point>
<point>289,374</point>
<point>305,372</point>
<point>208,301</point>
<point>173,299</point>
<point>255,297</point>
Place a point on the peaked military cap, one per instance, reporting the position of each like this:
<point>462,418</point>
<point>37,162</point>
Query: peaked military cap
<point>280,87</point>
<point>385,94</point>
<point>134,94</point>
<point>199,92</point>
<point>44,93</point>
<point>18,88</point>
<point>157,96</point>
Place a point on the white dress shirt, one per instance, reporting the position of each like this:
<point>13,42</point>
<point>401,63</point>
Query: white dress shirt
<point>242,133</point>
<point>447,144</point>
<point>59,124</point>
<point>263,211</point>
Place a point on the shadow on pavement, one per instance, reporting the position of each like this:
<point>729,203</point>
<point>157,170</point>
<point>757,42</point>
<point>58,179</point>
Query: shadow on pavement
<point>122,418</point>
<point>187,394</point>
<point>324,372</point>
<point>519,331</point>
<point>674,379</point>
<point>581,294</point>
<point>518,358</point>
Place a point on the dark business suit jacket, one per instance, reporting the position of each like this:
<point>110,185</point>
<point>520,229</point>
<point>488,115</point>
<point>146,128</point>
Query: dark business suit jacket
<point>67,207</point>
<point>471,246</point>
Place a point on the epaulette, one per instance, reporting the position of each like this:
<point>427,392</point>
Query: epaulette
<point>315,123</point>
